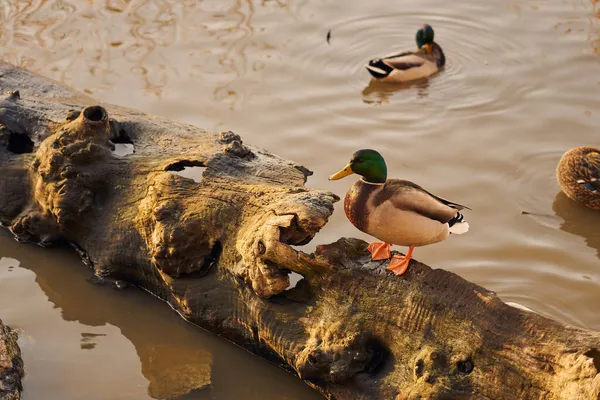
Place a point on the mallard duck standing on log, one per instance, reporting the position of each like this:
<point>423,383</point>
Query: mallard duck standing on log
<point>396,211</point>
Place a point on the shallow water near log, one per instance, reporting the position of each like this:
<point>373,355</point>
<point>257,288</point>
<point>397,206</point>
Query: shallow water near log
<point>521,87</point>
<point>81,340</point>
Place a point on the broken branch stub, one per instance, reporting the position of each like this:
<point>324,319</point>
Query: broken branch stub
<point>220,252</point>
<point>11,365</point>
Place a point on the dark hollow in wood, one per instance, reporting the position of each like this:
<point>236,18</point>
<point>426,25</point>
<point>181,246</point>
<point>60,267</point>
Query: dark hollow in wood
<point>220,252</point>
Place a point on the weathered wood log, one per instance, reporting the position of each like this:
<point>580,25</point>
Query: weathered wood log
<point>220,252</point>
<point>11,364</point>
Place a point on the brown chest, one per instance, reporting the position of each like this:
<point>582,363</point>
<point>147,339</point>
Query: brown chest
<point>355,204</point>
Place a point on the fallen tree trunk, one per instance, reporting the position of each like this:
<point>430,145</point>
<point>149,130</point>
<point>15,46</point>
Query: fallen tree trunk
<point>220,252</point>
<point>11,364</point>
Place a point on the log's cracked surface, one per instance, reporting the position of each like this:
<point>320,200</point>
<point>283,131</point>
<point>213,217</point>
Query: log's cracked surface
<point>219,251</point>
<point>11,364</point>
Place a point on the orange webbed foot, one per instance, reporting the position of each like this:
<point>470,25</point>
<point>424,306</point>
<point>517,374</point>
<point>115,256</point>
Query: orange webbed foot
<point>398,264</point>
<point>380,251</point>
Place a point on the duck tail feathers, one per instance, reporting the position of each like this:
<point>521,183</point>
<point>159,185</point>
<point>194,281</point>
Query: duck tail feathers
<point>460,228</point>
<point>378,69</point>
<point>458,225</point>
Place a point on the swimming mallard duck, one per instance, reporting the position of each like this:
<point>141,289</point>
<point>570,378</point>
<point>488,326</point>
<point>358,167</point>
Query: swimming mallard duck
<point>578,174</point>
<point>396,211</point>
<point>410,65</point>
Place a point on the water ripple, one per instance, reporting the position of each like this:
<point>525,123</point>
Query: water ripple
<point>472,81</point>
<point>536,186</point>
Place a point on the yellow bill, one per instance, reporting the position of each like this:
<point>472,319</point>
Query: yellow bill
<point>428,48</point>
<point>347,170</point>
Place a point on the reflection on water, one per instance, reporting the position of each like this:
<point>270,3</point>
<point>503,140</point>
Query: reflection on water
<point>99,45</point>
<point>586,24</point>
<point>578,220</point>
<point>380,93</point>
<point>88,341</point>
<point>87,330</point>
<point>520,87</point>
<point>535,180</point>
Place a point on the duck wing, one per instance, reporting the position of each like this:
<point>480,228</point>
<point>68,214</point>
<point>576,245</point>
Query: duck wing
<point>408,196</point>
<point>589,171</point>
<point>404,62</point>
<point>382,67</point>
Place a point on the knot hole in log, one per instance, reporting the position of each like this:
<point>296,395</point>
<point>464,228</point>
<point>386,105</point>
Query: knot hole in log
<point>432,365</point>
<point>594,354</point>
<point>94,114</point>
<point>338,350</point>
<point>16,143</point>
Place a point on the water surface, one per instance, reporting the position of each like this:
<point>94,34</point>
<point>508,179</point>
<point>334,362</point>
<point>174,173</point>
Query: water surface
<point>84,341</point>
<point>521,87</point>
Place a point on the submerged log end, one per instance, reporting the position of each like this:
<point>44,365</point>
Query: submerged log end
<point>11,364</point>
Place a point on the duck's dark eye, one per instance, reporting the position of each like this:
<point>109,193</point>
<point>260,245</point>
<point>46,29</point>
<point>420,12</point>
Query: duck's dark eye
<point>359,160</point>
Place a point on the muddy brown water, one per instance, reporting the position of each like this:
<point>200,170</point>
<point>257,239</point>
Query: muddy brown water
<point>521,86</point>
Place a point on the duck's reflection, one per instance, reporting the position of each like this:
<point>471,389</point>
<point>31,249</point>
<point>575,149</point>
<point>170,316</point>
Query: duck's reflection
<point>377,92</point>
<point>88,340</point>
<point>578,220</point>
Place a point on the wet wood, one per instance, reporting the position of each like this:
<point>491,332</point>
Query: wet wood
<point>11,364</point>
<point>220,252</point>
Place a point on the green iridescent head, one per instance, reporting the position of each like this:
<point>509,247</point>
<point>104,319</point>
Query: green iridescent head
<point>367,163</point>
<point>425,38</point>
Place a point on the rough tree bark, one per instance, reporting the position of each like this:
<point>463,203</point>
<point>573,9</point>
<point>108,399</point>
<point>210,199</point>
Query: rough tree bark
<point>11,365</point>
<point>220,252</point>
